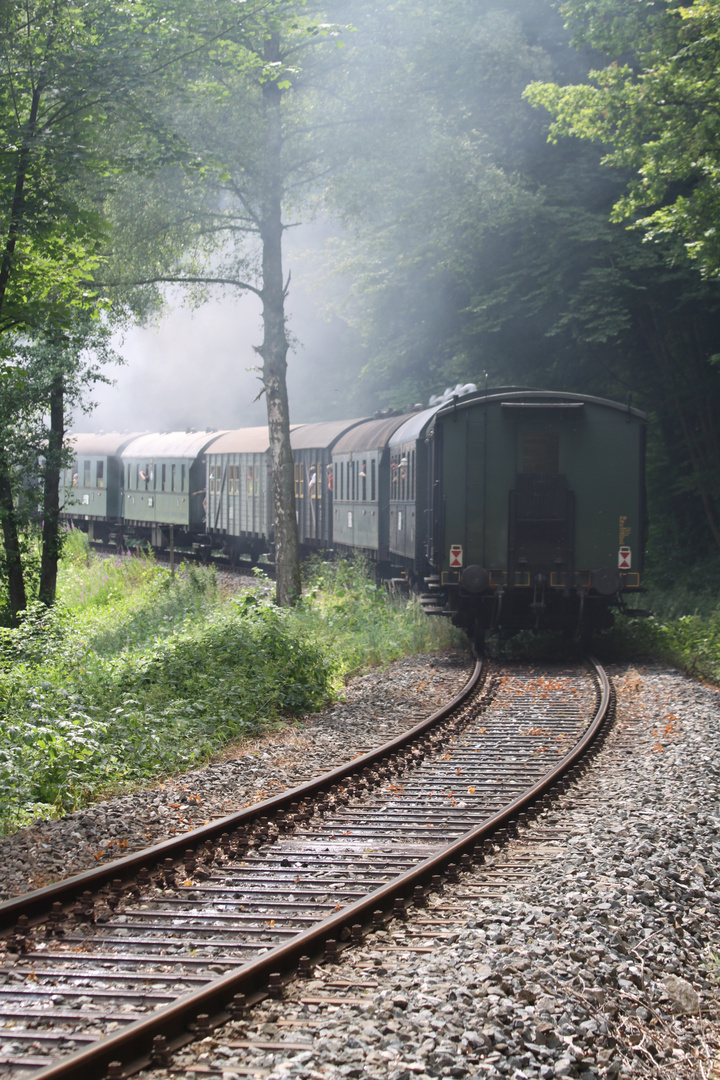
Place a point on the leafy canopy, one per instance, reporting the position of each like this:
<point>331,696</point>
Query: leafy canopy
<point>655,108</point>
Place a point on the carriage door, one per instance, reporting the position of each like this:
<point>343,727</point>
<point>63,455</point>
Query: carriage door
<point>542,512</point>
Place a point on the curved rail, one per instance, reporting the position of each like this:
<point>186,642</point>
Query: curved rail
<point>133,1047</point>
<point>36,905</point>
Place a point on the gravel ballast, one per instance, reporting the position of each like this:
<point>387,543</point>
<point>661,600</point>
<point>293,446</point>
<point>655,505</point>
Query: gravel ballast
<point>587,948</point>
<point>375,707</point>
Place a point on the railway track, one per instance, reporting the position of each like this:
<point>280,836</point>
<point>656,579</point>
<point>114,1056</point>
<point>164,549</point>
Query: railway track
<point>116,967</point>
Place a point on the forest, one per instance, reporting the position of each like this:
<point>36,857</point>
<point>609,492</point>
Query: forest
<point>522,191</point>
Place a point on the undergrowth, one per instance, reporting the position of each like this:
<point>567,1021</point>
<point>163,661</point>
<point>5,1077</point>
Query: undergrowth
<point>690,642</point>
<point>136,675</point>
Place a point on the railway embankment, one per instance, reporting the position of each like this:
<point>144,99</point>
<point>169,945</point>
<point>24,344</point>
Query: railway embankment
<point>589,947</point>
<point>374,708</point>
<point>137,675</point>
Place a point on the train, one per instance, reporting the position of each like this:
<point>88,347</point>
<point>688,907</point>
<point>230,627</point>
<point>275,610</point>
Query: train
<point>511,508</point>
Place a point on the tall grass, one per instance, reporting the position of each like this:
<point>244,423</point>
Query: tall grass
<point>359,623</point>
<point>690,641</point>
<point>136,674</point>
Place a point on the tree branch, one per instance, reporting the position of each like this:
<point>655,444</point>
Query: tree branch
<point>163,280</point>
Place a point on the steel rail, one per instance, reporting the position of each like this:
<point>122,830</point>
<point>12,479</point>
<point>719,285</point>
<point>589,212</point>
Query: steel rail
<point>132,1048</point>
<point>37,904</point>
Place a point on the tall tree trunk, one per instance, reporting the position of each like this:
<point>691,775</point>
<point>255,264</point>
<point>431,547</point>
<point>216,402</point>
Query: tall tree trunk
<point>8,517</point>
<point>13,561</point>
<point>275,347</point>
<point>51,546</point>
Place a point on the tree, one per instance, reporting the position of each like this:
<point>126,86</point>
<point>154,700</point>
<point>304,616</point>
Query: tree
<point>478,247</point>
<point>654,106</point>
<point>44,379</point>
<point>77,88</point>
<point>246,119</point>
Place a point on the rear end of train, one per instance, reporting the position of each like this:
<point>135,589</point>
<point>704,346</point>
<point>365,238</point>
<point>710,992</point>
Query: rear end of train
<point>538,511</point>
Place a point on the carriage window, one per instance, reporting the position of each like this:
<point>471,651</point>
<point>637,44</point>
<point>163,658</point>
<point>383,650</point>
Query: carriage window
<point>100,474</point>
<point>252,485</point>
<point>372,480</point>
<point>164,476</point>
<point>412,474</point>
<point>363,477</point>
<point>234,480</point>
<point>182,478</point>
<point>314,484</point>
<point>341,493</point>
<point>173,477</point>
<point>353,467</point>
<point>299,482</point>
<point>540,452</point>
<point>86,473</point>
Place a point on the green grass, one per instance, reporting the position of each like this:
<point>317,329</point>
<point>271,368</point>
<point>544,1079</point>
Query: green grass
<point>136,675</point>
<point>690,642</point>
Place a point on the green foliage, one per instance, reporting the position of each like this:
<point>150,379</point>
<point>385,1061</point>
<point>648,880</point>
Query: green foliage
<point>684,627</point>
<point>135,675</point>
<point>359,623</point>
<point>475,246</point>
<point>690,642</point>
<point>654,108</point>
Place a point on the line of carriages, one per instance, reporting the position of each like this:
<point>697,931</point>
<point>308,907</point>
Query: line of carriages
<point>359,485</point>
<point>520,508</point>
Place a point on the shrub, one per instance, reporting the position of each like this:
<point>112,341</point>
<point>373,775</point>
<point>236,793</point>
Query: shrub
<point>136,674</point>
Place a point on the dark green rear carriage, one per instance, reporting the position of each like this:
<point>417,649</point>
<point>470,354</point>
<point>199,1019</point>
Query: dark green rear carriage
<point>539,508</point>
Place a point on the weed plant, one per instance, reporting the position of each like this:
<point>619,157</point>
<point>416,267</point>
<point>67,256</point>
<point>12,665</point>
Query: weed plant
<point>359,623</point>
<point>136,674</point>
<point>690,642</point>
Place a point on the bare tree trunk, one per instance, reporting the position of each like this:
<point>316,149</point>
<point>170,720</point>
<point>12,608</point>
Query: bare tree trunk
<point>8,520</point>
<point>51,545</point>
<point>275,347</point>
<point>8,517</point>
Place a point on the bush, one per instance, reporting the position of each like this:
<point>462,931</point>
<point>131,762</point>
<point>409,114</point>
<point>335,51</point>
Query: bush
<point>136,674</point>
<point>361,623</point>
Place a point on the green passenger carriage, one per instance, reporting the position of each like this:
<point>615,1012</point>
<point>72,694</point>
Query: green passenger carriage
<point>91,488</point>
<point>164,486</point>
<point>361,491</point>
<point>539,512</point>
